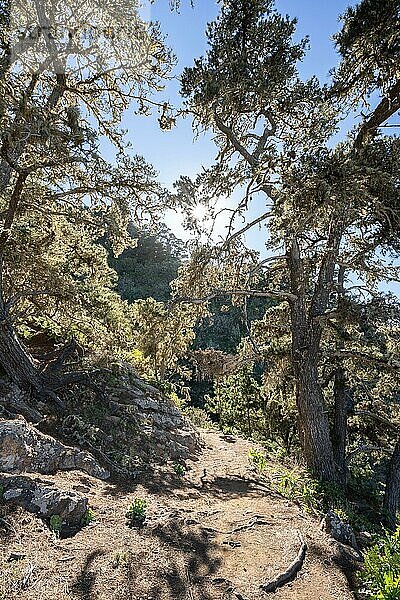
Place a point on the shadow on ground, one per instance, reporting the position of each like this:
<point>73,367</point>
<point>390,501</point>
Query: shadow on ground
<point>187,564</point>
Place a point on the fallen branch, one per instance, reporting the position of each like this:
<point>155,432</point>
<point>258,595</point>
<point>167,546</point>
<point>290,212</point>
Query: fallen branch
<point>290,573</point>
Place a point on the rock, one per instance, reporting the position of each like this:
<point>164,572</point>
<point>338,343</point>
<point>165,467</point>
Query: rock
<point>162,432</point>
<point>340,531</point>
<point>364,539</point>
<point>45,501</point>
<point>25,449</point>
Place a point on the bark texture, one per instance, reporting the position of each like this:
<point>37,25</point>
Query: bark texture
<point>313,423</point>
<point>16,360</point>
<point>339,434</point>
<point>392,491</point>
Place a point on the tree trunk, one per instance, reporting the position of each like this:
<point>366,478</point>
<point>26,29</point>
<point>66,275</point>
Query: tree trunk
<point>313,423</point>
<point>339,434</point>
<point>313,420</point>
<point>16,360</point>
<point>392,492</point>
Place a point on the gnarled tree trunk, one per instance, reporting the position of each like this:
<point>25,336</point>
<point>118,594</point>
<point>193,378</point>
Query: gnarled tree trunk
<point>392,491</point>
<point>313,423</point>
<point>313,420</point>
<point>16,360</point>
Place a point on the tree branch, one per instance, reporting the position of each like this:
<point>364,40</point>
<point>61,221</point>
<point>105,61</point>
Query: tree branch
<point>387,107</point>
<point>362,449</point>
<point>386,361</point>
<point>28,294</point>
<point>383,420</point>
<point>237,234</point>
<point>274,294</point>
<point>252,159</point>
<point>12,209</point>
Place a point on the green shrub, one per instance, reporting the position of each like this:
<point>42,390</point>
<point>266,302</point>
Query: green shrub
<point>56,524</point>
<point>297,485</point>
<point>237,403</point>
<point>179,469</point>
<point>198,417</point>
<point>257,459</point>
<point>381,572</point>
<point>136,512</point>
<point>88,517</point>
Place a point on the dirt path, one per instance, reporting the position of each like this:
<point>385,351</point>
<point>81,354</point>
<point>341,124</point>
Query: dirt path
<point>212,535</point>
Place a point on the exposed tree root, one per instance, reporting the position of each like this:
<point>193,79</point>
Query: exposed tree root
<point>290,573</point>
<point>255,520</point>
<point>105,460</point>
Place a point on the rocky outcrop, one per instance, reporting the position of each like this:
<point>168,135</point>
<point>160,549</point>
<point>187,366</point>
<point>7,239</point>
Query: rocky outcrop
<point>340,531</point>
<point>24,449</point>
<point>161,427</point>
<point>133,420</point>
<point>122,423</point>
<point>67,507</point>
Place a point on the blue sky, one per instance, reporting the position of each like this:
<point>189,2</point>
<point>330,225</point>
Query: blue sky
<point>176,153</point>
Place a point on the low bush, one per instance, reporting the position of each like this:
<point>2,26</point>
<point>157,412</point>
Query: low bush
<point>136,513</point>
<point>381,572</point>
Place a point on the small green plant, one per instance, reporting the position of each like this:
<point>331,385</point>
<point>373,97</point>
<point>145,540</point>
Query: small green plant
<point>88,517</point>
<point>120,558</point>
<point>381,572</point>
<point>56,524</point>
<point>297,485</point>
<point>136,513</point>
<point>257,459</point>
<point>179,469</point>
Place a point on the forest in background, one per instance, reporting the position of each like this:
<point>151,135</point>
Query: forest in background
<point>298,348</point>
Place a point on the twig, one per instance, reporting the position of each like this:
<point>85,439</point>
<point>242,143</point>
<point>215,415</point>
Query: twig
<point>7,526</point>
<point>189,580</point>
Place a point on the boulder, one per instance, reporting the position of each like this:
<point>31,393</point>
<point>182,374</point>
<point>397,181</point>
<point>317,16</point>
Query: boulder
<point>45,501</point>
<point>24,449</point>
<point>340,531</point>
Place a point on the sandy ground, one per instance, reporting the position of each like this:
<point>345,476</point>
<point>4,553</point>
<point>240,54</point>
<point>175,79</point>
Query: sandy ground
<point>215,533</point>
